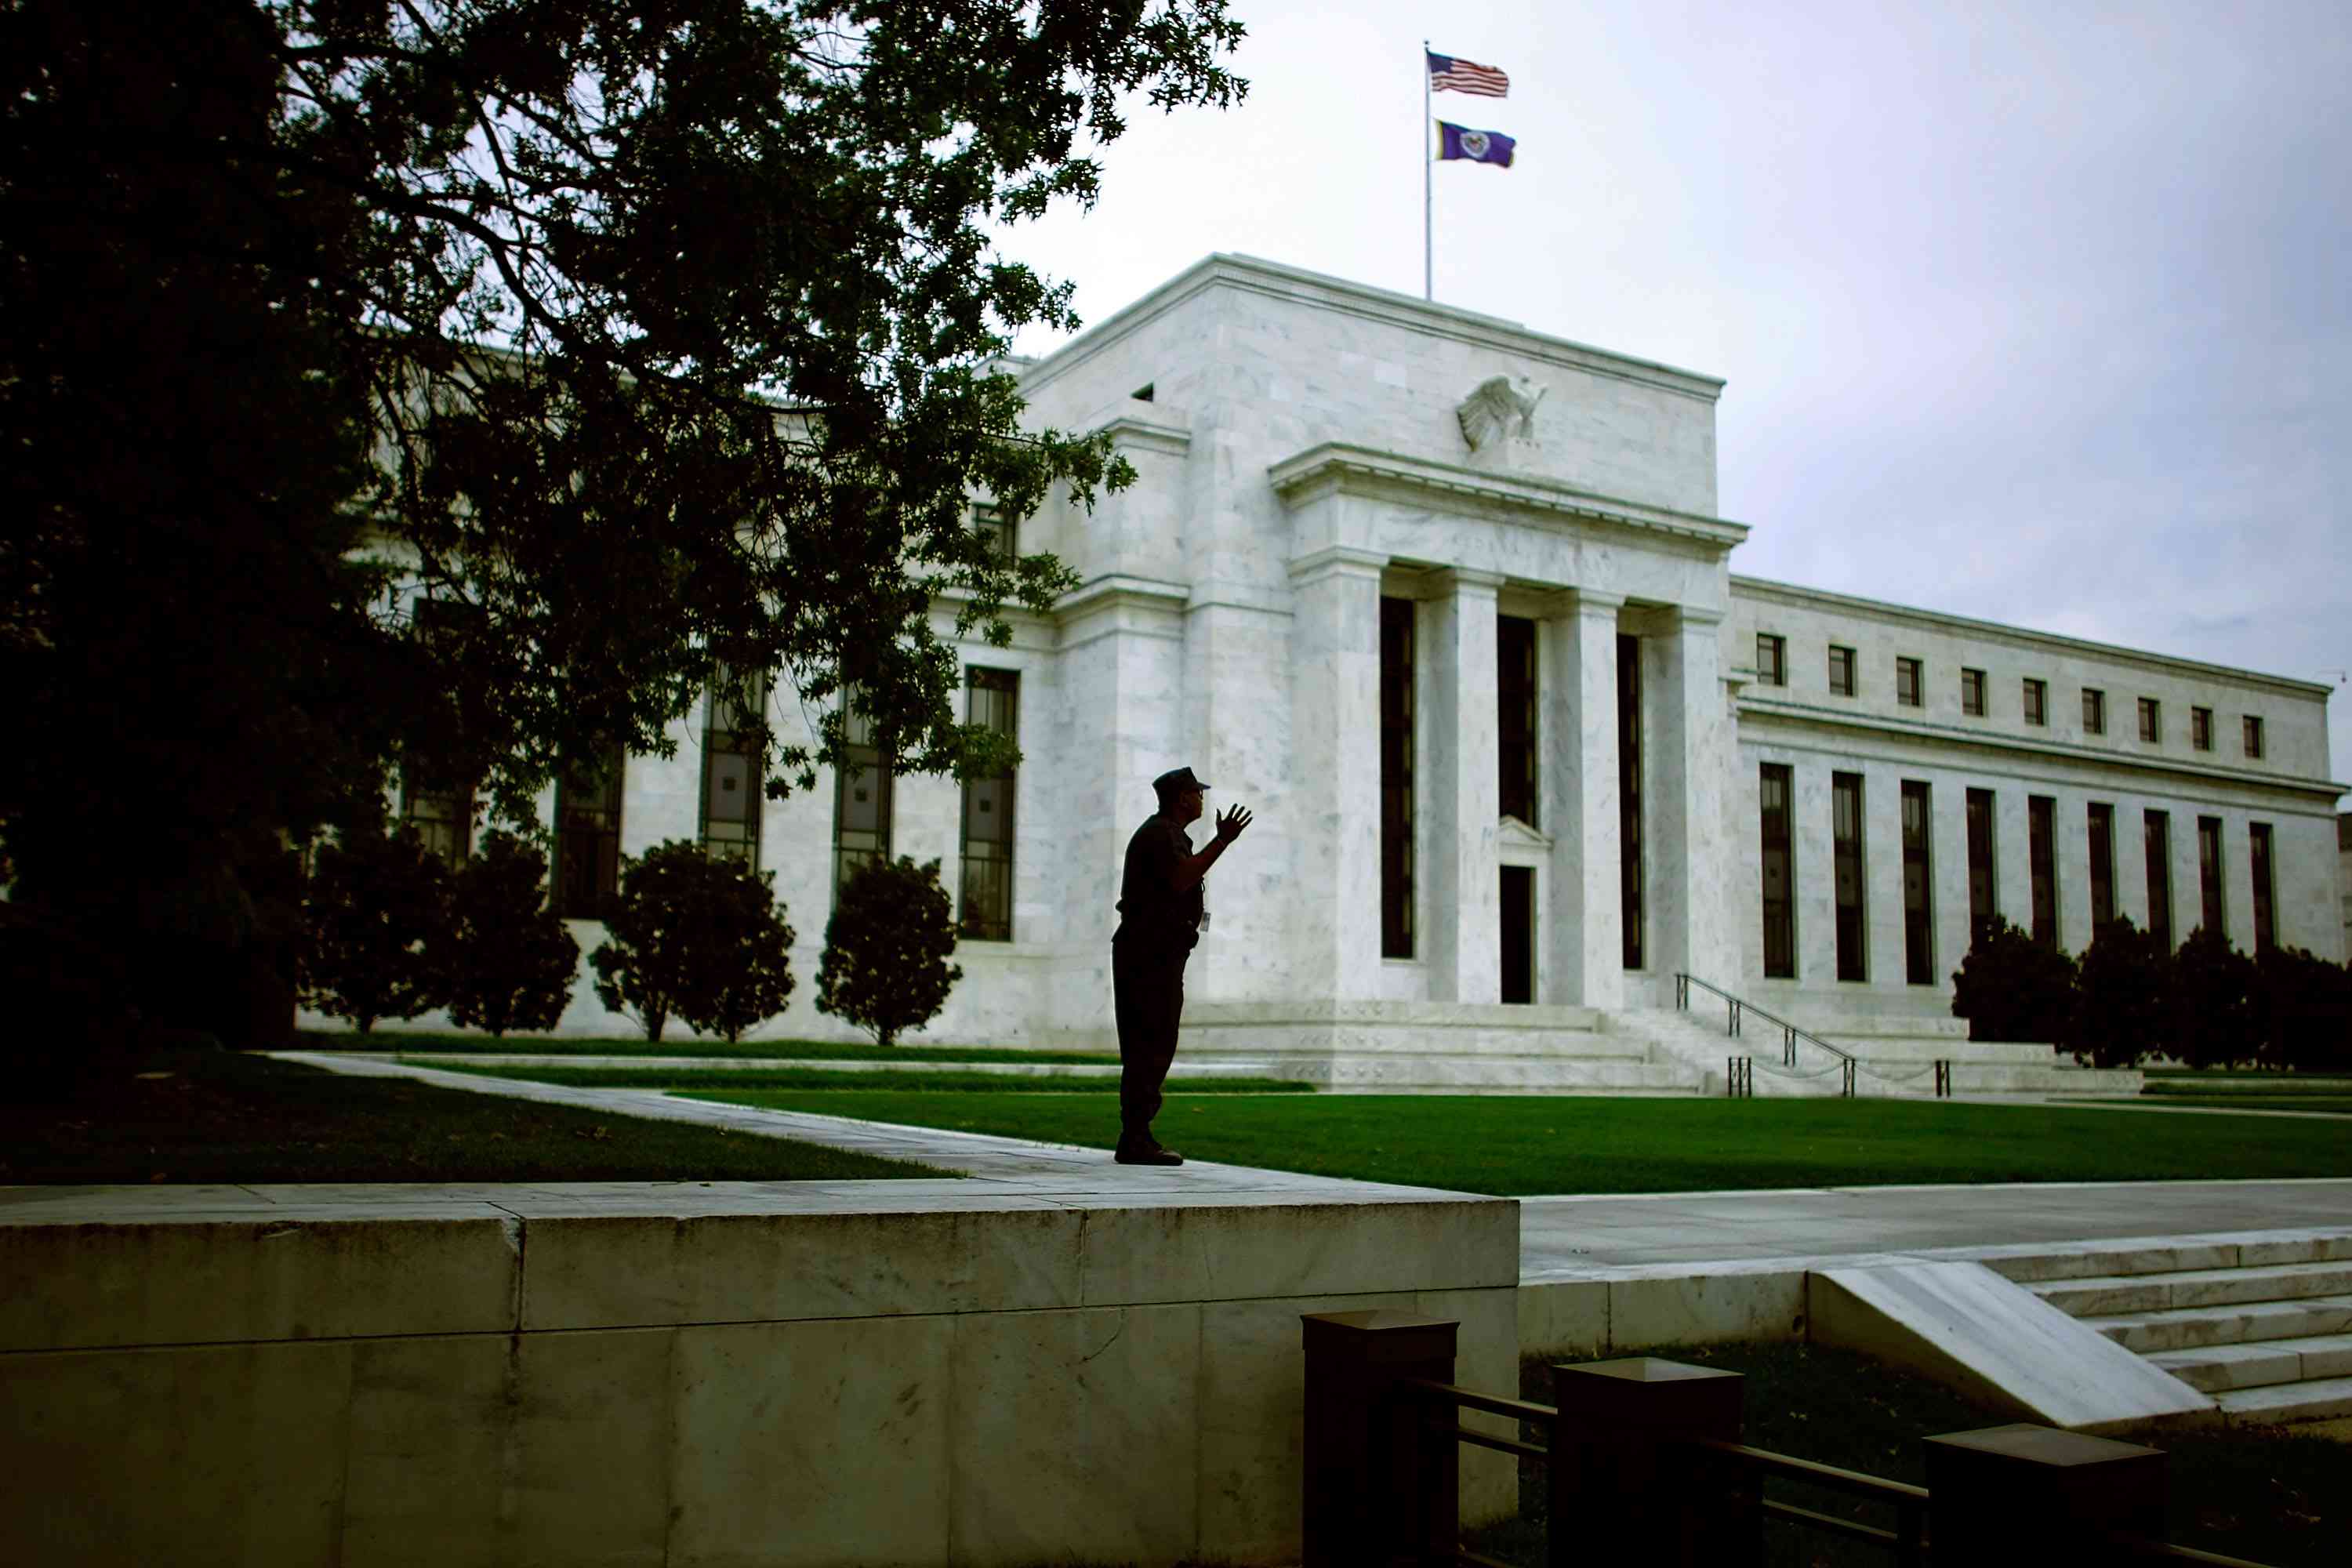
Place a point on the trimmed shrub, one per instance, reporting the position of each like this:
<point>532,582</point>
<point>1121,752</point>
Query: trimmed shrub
<point>2215,1021</point>
<point>506,960</point>
<point>699,940</point>
<point>2304,1008</point>
<point>885,966</point>
<point>2123,1003</point>
<point>2010,987</point>
<point>375,902</point>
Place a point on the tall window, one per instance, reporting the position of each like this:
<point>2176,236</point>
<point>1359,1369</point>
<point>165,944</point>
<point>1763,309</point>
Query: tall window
<point>2258,853</point>
<point>437,808</point>
<point>1972,693</point>
<point>1845,828</point>
<point>2200,728</point>
<point>992,701</point>
<point>861,794</point>
<point>2102,866</point>
<point>1780,873</point>
<point>1908,676</point>
<point>2208,873</point>
<point>2037,701</point>
<point>1629,794</point>
<point>1000,532</point>
<point>588,838</point>
<point>1984,895</point>
<point>1514,682</point>
<point>2253,735</point>
<point>1771,660</point>
<point>1841,671</point>
<point>1396,778</point>
<point>2095,711</point>
<point>1918,912</point>
<point>2157,831</point>
<point>733,789</point>
<point>2041,862</point>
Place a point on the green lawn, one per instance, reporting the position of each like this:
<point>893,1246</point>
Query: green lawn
<point>833,1079</point>
<point>2262,1492</point>
<point>227,1116</point>
<point>2341,1104</point>
<point>1514,1145</point>
<point>679,1045</point>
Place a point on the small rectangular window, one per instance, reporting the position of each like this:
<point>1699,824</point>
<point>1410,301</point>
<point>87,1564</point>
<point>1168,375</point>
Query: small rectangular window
<point>1771,660</point>
<point>1774,791</point>
<point>1000,533</point>
<point>2151,721</point>
<point>1918,916</point>
<point>2209,874</point>
<point>1972,693</point>
<point>2200,728</point>
<point>1846,851</point>
<point>1908,680</point>
<point>2037,701</point>
<point>2041,860</point>
<point>2258,853</point>
<point>1841,671</point>
<point>2156,833</point>
<point>2253,735</point>
<point>2095,711</point>
<point>992,701</point>
<point>2102,866</point>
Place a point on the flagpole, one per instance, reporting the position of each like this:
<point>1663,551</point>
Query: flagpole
<point>1428,268</point>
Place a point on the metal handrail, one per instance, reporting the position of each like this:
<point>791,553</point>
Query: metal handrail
<point>1683,983</point>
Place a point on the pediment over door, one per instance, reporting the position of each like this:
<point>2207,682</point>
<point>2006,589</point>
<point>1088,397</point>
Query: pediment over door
<point>1517,844</point>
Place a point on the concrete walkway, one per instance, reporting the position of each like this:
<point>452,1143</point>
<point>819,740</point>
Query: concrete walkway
<point>1560,1238</point>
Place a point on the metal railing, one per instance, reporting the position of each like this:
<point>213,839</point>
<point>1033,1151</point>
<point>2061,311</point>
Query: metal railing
<point>1642,1464</point>
<point>1737,1010</point>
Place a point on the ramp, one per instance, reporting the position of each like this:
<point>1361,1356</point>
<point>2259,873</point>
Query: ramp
<point>1969,1328</point>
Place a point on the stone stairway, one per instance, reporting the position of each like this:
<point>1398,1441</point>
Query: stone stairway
<point>1399,1048</point>
<point>2262,1326</point>
<point>1897,1057</point>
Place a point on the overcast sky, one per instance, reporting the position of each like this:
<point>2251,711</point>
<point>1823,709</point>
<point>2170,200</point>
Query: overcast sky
<point>2036,312</point>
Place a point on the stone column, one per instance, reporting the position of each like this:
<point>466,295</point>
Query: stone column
<point>1583,960</point>
<point>2012,853</point>
<point>1335,695</point>
<point>1463,791</point>
<point>1690,865</point>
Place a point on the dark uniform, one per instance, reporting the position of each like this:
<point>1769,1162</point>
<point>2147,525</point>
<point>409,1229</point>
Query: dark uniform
<point>1158,925</point>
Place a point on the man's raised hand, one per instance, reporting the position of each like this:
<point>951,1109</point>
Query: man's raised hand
<point>1231,822</point>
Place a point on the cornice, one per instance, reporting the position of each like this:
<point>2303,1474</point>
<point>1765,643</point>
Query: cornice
<point>1115,591</point>
<point>1251,274</point>
<point>1361,471</point>
<point>1807,716</point>
<point>1133,431</point>
<point>1757,588</point>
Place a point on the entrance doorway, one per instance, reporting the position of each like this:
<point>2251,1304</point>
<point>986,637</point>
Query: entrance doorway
<point>1519,934</point>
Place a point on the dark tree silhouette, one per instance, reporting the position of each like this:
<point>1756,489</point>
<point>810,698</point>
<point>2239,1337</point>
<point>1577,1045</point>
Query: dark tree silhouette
<point>505,960</point>
<point>699,940</point>
<point>885,966</point>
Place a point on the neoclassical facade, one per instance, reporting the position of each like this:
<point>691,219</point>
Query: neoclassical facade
<point>1448,604</point>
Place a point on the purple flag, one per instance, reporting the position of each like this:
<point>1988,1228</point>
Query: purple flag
<point>1478,146</point>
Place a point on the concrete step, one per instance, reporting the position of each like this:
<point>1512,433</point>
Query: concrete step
<point>2152,1292</point>
<point>2323,1399</point>
<point>2191,1328</point>
<point>2164,1254</point>
<point>2260,1363</point>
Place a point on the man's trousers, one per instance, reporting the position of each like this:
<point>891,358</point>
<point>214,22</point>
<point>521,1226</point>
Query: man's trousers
<point>1148,997</point>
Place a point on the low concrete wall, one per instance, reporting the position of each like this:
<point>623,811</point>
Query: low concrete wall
<point>730,1373</point>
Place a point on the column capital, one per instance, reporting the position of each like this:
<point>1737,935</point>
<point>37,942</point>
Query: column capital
<point>1336,561</point>
<point>1451,580</point>
<point>1690,616</point>
<point>1593,602</point>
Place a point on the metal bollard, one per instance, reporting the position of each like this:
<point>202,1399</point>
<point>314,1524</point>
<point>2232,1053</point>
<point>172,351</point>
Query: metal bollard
<point>1374,1488</point>
<point>2034,1497</point>
<point>1616,1496</point>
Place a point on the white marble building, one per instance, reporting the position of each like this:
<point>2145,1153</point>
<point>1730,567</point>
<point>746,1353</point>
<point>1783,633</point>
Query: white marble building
<point>1307,474</point>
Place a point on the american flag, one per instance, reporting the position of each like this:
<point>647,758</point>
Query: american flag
<point>1447,74</point>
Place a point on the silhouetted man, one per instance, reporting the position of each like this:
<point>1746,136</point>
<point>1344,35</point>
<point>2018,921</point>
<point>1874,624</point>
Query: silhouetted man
<point>1160,922</point>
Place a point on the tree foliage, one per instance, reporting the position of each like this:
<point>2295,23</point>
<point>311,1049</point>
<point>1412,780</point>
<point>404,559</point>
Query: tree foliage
<point>2010,987</point>
<point>2215,1020</point>
<point>2123,1008</point>
<point>2304,1005</point>
<point>885,966</point>
<point>662,338</point>
<point>376,902</point>
<point>505,960</point>
<point>699,940</point>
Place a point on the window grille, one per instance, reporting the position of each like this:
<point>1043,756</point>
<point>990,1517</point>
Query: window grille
<point>992,701</point>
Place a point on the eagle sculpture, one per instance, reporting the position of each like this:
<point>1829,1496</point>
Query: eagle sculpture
<point>1501,408</point>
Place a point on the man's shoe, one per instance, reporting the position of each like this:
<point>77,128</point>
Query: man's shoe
<point>1149,1154</point>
